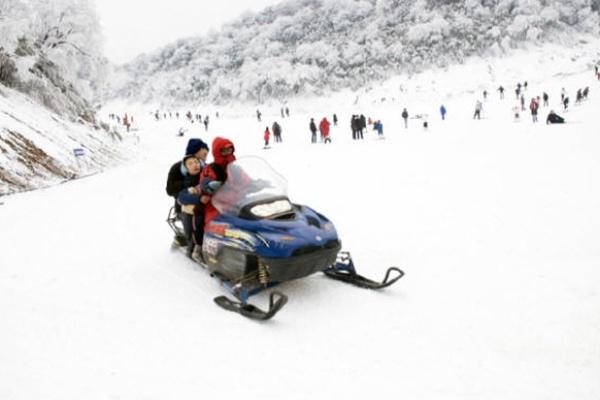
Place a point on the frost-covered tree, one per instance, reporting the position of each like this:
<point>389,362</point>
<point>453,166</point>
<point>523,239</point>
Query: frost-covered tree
<point>65,32</point>
<point>69,33</point>
<point>13,22</point>
<point>309,46</point>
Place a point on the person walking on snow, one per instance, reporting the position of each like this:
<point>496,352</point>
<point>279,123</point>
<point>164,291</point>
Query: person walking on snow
<point>313,131</point>
<point>324,129</point>
<point>277,132</point>
<point>267,136</point>
<point>405,118</point>
<point>478,107</point>
<point>533,107</point>
<point>362,125</point>
<point>126,122</point>
<point>354,126</point>
<point>378,126</point>
<point>443,112</point>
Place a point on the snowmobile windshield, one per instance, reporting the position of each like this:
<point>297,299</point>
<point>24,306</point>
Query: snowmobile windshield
<point>254,185</point>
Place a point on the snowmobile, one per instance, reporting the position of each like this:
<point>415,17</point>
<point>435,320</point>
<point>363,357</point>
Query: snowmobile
<point>261,239</point>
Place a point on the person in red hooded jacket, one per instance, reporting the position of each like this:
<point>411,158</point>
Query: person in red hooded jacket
<point>324,128</point>
<point>215,174</point>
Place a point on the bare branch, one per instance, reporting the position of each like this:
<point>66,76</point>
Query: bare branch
<point>77,48</point>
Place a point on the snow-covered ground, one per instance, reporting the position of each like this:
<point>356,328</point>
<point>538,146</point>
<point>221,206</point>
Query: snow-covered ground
<point>495,223</point>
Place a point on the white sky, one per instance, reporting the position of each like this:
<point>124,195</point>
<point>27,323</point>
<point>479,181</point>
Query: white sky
<point>132,27</point>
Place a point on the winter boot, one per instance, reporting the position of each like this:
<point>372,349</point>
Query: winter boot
<point>197,254</point>
<point>179,241</point>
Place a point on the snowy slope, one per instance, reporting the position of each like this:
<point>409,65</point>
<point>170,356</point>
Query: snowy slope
<point>495,223</point>
<point>36,145</point>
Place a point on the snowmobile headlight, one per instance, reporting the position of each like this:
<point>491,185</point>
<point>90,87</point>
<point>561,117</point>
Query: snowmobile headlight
<point>269,209</point>
<point>328,226</point>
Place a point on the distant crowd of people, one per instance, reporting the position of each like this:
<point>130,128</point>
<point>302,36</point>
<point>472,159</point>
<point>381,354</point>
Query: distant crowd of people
<point>190,117</point>
<point>535,103</point>
<point>359,123</point>
<point>126,120</point>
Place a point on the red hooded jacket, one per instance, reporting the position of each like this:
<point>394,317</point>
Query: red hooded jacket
<point>324,127</point>
<point>209,174</point>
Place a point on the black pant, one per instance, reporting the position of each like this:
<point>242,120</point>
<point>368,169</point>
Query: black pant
<point>188,227</point>
<point>193,225</point>
<point>177,206</point>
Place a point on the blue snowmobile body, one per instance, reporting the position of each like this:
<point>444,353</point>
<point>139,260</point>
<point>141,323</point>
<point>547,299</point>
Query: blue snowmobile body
<point>250,254</point>
<point>260,239</point>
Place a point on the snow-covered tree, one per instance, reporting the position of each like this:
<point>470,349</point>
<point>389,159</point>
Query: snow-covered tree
<point>308,46</point>
<point>69,32</point>
<point>65,32</point>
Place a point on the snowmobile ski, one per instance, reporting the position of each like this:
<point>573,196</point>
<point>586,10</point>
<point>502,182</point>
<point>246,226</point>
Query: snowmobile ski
<point>276,302</point>
<point>343,270</point>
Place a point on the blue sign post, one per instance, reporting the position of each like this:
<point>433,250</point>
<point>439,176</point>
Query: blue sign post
<point>78,153</point>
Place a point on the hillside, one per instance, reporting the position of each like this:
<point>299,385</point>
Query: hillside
<point>37,145</point>
<point>43,118</point>
<point>316,46</point>
<point>51,71</point>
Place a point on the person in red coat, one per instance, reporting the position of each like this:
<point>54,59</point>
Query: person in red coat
<point>324,128</point>
<point>533,107</point>
<point>267,136</point>
<point>215,174</point>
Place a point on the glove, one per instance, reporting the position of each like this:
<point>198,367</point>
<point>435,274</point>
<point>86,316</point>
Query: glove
<point>212,186</point>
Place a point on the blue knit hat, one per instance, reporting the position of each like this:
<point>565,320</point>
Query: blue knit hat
<point>194,145</point>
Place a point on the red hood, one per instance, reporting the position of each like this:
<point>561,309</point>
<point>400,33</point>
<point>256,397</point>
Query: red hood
<point>218,144</point>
